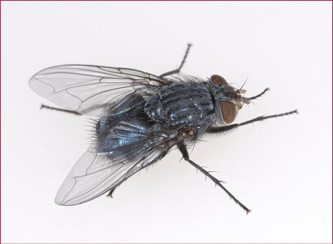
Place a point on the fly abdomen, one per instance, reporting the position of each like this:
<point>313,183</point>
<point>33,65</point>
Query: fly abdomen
<point>181,103</point>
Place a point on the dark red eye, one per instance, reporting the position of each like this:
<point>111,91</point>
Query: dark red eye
<point>218,80</point>
<point>228,111</point>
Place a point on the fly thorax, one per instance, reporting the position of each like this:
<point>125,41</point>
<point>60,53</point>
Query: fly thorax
<point>182,104</point>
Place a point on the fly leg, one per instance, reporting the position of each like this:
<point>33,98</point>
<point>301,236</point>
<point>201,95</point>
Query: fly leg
<point>259,95</point>
<point>59,109</point>
<point>111,192</point>
<point>222,129</point>
<point>184,152</point>
<point>176,71</point>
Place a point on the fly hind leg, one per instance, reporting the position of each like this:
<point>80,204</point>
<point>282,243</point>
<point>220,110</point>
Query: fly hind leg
<point>59,109</point>
<point>110,193</point>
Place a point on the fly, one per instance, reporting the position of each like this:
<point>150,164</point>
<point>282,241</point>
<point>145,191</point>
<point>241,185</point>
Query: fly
<point>139,118</point>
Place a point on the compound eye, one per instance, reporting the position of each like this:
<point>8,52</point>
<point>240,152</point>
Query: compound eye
<point>218,80</point>
<point>228,111</point>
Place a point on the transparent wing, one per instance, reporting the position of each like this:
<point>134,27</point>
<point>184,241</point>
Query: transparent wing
<point>89,89</point>
<point>97,173</point>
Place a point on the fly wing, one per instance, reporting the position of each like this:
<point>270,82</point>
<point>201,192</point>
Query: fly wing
<point>88,89</point>
<point>97,173</point>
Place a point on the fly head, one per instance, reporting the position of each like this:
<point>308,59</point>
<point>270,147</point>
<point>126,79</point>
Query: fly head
<point>228,100</point>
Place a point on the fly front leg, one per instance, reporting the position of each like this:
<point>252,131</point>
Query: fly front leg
<point>176,71</point>
<point>213,130</point>
<point>183,150</point>
<point>259,95</point>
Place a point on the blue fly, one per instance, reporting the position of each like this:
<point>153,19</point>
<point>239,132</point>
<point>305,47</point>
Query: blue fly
<point>140,117</point>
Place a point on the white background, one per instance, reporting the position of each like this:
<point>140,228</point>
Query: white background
<point>281,168</point>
